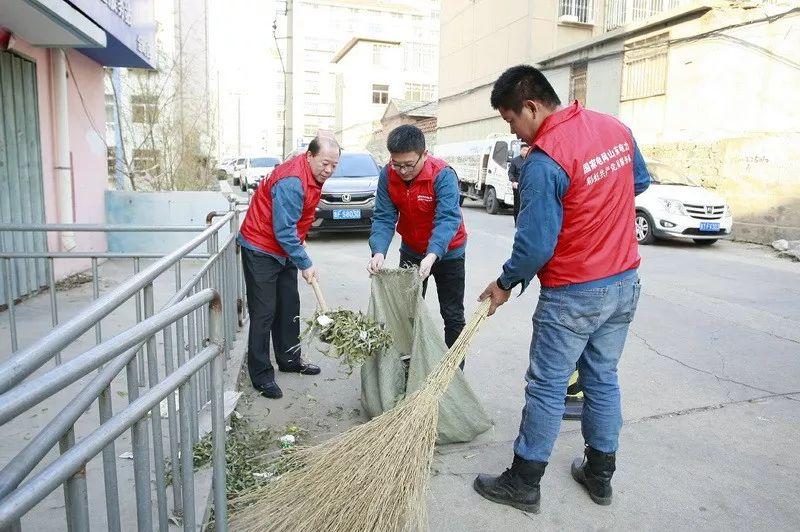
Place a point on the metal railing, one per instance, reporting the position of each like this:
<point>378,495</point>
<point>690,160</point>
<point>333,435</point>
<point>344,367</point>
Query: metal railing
<point>194,352</point>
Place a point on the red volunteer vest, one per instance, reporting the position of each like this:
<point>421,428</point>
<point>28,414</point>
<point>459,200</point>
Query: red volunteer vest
<point>257,226</point>
<point>597,237</point>
<point>416,207</point>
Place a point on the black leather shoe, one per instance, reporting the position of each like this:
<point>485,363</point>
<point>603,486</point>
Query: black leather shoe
<point>303,369</point>
<point>270,390</point>
<point>518,486</point>
<point>594,470</point>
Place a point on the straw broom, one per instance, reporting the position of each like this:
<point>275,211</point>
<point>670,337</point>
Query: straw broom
<point>371,477</point>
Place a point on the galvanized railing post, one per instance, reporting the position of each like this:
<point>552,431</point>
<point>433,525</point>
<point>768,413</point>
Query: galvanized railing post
<point>155,416</point>
<point>8,288</point>
<point>194,381</point>
<point>51,282</point>
<point>218,419</point>
<point>76,499</point>
<point>98,332</point>
<point>138,301</point>
<point>172,422</point>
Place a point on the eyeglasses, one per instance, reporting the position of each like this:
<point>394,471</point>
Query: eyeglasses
<point>403,168</point>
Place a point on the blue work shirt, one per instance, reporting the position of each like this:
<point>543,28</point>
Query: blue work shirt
<point>287,207</point>
<point>446,220</point>
<point>542,186</point>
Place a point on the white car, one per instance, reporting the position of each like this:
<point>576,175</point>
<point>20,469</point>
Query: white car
<point>675,206</point>
<point>255,169</point>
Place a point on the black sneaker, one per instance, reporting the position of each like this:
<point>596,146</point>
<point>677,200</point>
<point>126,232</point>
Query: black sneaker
<point>303,369</point>
<point>270,390</point>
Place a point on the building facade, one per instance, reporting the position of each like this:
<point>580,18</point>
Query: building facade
<point>479,41</point>
<point>680,81</point>
<point>324,28</point>
<point>52,109</point>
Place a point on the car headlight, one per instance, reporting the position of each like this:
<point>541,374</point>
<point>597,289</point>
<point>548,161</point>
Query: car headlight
<point>673,206</point>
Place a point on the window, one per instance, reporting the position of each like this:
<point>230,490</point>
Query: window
<point>312,83</point>
<point>110,122</point>
<point>500,154</point>
<point>144,108</point>
<point>356,165</point>
<point>621,12</point>
<point>380,94</point>
<point>420,57</point>
<point>380,54</point>
<point>111,157</point>
<point>310,130</point>
<point>146,161</point>
<point>644,70</point>
<point>577,82</point>
<point>575,11</point>
<point>419,92</point>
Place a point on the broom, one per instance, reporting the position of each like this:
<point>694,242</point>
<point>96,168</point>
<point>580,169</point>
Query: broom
<point>371,477</point>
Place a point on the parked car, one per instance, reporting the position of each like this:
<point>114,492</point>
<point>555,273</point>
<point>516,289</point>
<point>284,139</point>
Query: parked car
<point>348,196</point>
<point>236,170</point>
<point>676,206</point>
<point>225,168</point>
<point>255,169</point>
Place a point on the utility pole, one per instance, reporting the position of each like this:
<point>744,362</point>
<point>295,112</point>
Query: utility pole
<point>288,89</point>
<point>239,125</point>
<point>286,69</point>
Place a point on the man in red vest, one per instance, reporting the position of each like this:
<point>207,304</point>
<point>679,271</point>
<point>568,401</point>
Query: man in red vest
<point>280,215</point>
<point>576,232</point>
<point>418,195</point>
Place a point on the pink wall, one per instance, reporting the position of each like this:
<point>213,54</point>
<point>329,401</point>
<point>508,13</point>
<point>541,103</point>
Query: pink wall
<point>87,147</point>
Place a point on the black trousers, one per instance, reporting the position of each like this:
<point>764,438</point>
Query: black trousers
<point>516,205</point>
<point>273,302</point>
<point>449,276</point>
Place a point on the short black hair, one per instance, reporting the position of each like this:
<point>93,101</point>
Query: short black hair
<point>520,83</point>
<point>317,143</point>
<point>406,138</point>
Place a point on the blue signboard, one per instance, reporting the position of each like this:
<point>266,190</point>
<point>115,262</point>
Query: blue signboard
<point>130,31</point>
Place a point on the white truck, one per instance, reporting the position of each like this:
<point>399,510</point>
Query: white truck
<point>482,168</point>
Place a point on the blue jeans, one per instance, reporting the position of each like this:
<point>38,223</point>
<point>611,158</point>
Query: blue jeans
<point>579,325</point>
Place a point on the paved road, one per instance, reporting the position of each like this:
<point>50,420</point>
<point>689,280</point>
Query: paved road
<point>710,378</point>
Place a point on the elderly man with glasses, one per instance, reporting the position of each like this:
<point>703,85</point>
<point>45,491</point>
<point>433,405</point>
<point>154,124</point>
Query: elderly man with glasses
<point>418,195</point>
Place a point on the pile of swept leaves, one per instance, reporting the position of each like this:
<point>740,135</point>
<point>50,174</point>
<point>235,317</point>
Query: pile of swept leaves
<point>253,456</point>
<point>352,336</point>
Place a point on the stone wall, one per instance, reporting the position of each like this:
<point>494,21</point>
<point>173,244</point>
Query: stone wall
<point>759,175</point>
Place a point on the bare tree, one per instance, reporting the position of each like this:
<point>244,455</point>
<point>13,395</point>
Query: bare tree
<point>167,138</point>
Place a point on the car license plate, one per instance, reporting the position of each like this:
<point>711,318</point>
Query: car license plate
<point>346,214</point>
<point>709,226</point>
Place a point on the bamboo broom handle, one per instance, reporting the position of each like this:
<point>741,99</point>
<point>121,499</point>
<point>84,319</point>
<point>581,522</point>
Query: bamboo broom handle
<point>320,299</point>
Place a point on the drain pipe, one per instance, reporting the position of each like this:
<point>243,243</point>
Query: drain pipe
<point>63,170</point>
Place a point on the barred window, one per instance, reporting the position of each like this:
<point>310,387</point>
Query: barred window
<point>419,92</point>
<point>576,11</point>
<point>577,82</point>
<point>644,72</point>
<point>146,161</point>
<point>144,108</point>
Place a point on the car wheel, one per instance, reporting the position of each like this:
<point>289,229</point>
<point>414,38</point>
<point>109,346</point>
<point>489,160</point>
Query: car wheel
<point>644,228</point>
<point>243,186</point>
<point>236,182</point>
<point>490,202</point>
<point>461,200</point>
<point>704,242</point>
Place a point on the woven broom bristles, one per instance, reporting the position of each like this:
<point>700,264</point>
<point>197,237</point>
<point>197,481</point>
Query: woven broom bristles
<point>371,477</point>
